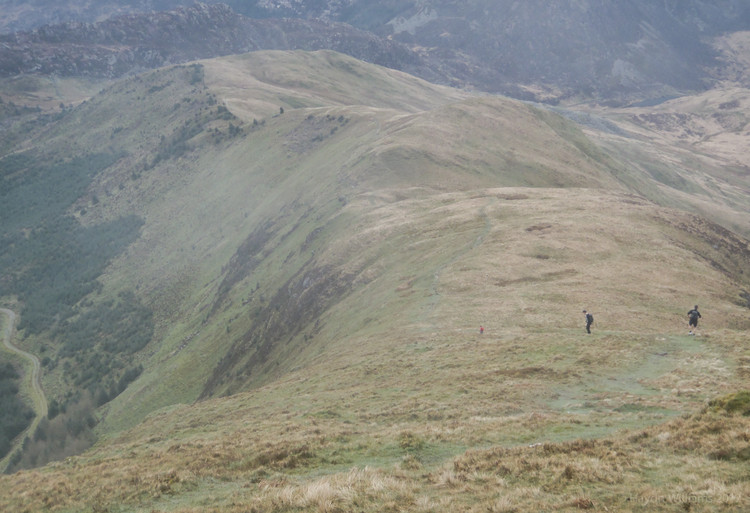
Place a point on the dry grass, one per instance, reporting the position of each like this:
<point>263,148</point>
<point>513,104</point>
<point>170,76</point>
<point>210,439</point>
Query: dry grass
<point>641,471</point>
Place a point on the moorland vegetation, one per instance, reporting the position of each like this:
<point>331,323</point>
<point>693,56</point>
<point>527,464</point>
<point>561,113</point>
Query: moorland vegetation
<point>285,317</point>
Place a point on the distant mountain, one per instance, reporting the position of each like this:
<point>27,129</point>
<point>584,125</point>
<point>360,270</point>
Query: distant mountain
<point>127,44</point>
<point>605,49</point>
<point>549,51</point>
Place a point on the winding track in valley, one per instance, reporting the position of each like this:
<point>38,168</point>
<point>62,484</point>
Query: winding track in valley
<point>36,391</point>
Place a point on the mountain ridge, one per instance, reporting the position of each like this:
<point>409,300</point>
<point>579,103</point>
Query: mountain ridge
<point>288,258</point>
<point>128,44</point>
<point>606,52</point>
<point>302,138</point>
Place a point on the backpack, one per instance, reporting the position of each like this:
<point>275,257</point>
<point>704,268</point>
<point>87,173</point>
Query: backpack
<point>589,318</point>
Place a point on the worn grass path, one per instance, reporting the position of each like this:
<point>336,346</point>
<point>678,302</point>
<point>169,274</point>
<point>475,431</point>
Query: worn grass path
<point>31,383</point>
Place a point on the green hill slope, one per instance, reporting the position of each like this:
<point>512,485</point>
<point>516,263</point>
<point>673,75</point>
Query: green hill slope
<point>232,226</point>
<point>309,245</point>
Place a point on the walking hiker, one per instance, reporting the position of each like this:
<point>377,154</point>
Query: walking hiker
<point>693,316</point>
<point>589,321</point>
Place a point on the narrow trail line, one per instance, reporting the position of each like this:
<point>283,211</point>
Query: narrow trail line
<point>435,296</point>
<point>35,387</point>
<point>633,381</point>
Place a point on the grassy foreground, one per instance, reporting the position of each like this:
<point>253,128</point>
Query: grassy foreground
<point>246,454</point>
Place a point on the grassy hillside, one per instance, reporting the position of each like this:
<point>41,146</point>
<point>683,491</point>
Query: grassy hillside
<point>230,229</point>
<point>687,153</point>
<point>398,402</point>
<point>314,243</point>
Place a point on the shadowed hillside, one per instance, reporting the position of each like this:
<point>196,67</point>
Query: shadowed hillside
<point>611,52</point>
<point>314,243</point>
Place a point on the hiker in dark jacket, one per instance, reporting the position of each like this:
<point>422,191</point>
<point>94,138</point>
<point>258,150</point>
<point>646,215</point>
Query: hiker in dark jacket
<point>693,316</point>
<point>589,321</point>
